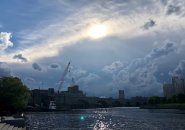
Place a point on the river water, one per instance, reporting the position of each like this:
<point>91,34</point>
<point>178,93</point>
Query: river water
<point>108,119</point>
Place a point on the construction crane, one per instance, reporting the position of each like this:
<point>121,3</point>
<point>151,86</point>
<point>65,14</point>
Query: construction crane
<point>63,76</point>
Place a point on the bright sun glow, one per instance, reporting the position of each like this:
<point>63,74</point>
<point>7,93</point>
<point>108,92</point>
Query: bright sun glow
<point>98,31</point>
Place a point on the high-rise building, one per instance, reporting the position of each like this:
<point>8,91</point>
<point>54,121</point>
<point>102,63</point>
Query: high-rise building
<point>121,94</point>
<point>168,90</point>
<point>177,87</point>
<point>178,84</point>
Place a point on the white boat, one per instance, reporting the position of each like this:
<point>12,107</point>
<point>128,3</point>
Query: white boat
<point>52,105</point>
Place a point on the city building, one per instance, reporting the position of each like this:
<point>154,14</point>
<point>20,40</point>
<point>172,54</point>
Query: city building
<point>41,98</point>
<point>138,101</point>
<point>168,90</point>
<point>176,87</point>
<point>179,85</point>
<point>72,98</point>
<point>121,94</point>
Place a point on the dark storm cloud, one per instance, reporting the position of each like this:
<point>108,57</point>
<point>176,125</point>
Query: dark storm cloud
<point>36,66</point>
<point>4,70</point>
<point>54,66</point>
<point>20,57</point>
<point>173,9</point>
<point>149,24</point>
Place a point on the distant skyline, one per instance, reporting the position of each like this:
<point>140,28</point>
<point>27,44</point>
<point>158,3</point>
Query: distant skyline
<point>134,45</point>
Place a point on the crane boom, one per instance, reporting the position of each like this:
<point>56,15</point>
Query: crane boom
<point>63,76</point>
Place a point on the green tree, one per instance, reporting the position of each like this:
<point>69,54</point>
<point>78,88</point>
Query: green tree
<point>13,94</point>
<point>181,98</point>
<point>154,100</point>
<point>174,99</point>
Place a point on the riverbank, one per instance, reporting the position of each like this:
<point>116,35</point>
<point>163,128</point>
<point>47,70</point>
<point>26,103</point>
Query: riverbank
<point>11,122</point>
<point>164,106</point>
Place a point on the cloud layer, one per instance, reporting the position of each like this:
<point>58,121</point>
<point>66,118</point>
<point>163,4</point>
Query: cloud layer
<point>138,77</point>
<point>121,21</point>
<point>138,46</point>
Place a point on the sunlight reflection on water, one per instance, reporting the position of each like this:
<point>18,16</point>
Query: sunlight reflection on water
<point>107,119</point>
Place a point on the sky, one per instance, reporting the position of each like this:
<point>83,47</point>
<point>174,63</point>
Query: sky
<point>134,45</point>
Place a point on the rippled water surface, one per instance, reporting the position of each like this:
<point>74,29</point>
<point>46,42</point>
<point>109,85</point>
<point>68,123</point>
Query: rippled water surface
<point>108,119</point>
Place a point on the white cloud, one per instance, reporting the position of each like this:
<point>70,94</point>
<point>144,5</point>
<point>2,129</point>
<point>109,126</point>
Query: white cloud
<point>5,40</point>
<point>114,67</point>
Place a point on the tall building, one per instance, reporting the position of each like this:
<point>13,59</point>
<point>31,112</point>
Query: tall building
<point>121,94</point>
<point>178,84</point>
<point>176,87</point>
<point>168,90</point>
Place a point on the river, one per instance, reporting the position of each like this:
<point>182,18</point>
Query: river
<point>109,119</point>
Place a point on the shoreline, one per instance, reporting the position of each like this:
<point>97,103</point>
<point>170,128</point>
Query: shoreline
<point>164,106</point>
<point>11,122</point>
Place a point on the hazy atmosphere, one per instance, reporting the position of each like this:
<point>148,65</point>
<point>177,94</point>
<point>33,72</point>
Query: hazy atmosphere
<point>135,45</point>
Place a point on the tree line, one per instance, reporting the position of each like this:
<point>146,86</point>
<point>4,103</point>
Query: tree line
<point>180,98</point>
<point>14,95</point>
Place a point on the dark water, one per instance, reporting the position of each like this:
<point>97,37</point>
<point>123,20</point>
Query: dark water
<point>109,119</point>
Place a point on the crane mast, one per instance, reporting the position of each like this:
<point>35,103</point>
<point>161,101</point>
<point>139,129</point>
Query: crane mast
<point>63,76</point>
